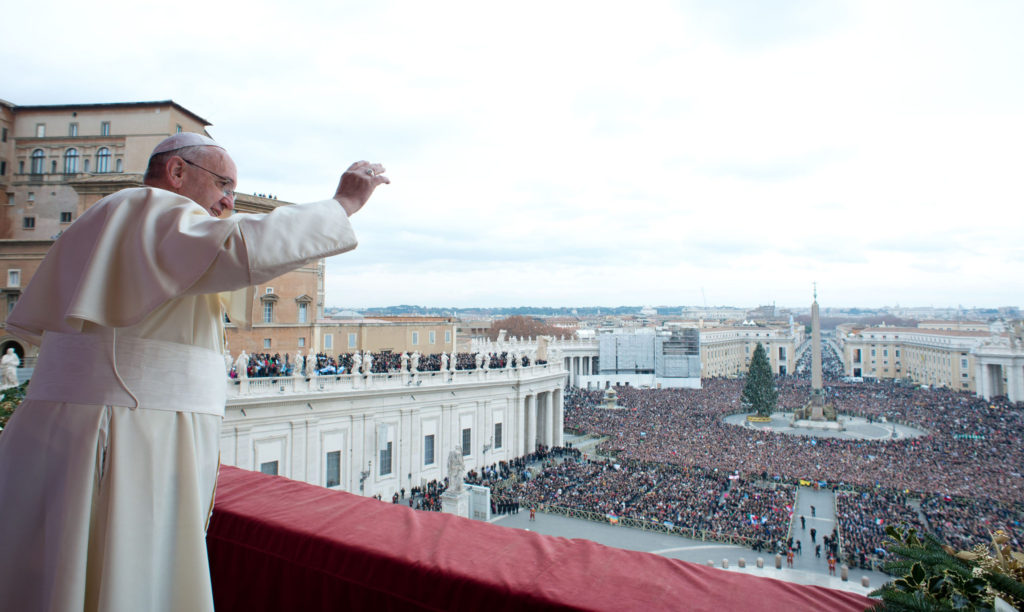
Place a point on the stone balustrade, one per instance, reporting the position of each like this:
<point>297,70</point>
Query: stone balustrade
<point>340,383</point>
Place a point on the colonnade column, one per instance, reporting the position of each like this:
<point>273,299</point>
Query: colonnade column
<point>980,382</point>
<point>549,419</point>
<point>543,420</point>
<point>243,448</point>
<point>520,427</point>
<point>995,381</point>
<point>1015,381</point>
<point>531,423</point>
<point>558,416</point>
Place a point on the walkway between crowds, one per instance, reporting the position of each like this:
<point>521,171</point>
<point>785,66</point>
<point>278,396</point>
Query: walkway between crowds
<point>817,507</point>
<point>586,444</point>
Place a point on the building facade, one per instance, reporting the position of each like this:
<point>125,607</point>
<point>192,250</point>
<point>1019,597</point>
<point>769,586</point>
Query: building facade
<point>937,357</point>
<point>380,433</point>
<point>55,162</point>
<point>726,351</point>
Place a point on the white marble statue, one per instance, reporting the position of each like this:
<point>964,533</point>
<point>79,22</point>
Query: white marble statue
<point>444,362</point>
<point>487,361</point>
<point>367,365</point>
<point>357,363</point>
<point>416,361</point>
<point>479,359</point>
<point>300,363</point>
<point>242,365</point>
<point>404,359</point>
<point>228,362</point>
<point>9,369</point>
<point>456,470</point>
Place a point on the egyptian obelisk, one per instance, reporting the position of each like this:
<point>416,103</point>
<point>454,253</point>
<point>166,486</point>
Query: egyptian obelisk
<point>817,393</point>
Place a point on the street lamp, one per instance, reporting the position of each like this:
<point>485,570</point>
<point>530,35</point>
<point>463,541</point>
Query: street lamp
<point>363,475</point>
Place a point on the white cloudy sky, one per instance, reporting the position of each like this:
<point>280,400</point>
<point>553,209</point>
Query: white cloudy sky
<point>598,153</point>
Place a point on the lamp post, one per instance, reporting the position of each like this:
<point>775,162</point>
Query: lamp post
<point>363,475</point>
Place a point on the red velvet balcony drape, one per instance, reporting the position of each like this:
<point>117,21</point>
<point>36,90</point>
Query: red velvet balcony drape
<point>278,544</point>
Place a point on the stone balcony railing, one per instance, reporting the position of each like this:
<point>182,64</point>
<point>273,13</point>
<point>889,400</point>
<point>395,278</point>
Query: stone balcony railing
<point>339,383</point>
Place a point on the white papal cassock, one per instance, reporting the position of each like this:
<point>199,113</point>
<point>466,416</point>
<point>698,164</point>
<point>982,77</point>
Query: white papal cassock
<point>108,468</point>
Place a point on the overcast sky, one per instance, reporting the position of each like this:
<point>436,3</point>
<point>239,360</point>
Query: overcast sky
<point>598,153</point>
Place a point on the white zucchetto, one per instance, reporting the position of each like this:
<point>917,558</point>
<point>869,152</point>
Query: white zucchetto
<point>182,140</point>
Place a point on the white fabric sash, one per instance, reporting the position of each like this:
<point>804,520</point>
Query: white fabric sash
<point>148,374</point>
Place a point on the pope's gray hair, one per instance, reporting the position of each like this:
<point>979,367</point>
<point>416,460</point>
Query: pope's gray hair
<point>158,163</point>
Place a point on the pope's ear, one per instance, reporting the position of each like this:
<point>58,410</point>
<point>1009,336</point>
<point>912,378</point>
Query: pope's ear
<point>176,171</point>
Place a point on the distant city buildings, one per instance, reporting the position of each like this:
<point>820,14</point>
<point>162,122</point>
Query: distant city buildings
<point>672,354</point>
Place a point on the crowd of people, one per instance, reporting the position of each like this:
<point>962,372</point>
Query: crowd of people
<point>863,516</point>
<point>262,365</point>
<point>831,364</point>
<point>963,473</point>
<point>971,446</point>
<point>689,500</point>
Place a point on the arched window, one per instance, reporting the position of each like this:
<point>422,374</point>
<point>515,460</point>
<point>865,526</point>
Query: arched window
<point>103,160</point>
<point>38,157</point>
<point>71,161</point>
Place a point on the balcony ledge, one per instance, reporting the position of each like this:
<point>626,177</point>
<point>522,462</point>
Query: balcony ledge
<point>279,544</point>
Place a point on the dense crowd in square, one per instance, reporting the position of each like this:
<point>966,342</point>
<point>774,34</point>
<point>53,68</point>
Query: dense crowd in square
<point>964,474</point>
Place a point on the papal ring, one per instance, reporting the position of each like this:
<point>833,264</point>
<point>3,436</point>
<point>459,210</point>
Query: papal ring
<point>370,172</point>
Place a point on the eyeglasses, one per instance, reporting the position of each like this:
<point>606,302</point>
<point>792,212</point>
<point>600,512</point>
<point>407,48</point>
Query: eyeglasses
<point>224,188</point>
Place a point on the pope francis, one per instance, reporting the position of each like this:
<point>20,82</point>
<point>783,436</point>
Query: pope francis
<point>108,468</point>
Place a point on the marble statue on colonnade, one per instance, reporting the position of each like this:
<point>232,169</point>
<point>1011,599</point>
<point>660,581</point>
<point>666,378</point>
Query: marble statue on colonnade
<point>455,500</point>
<point>416,361</point>
<point>300,364</point>
<point>541,352</point>
<point>479,359</point>
<point>242,365</point>
<point>9,367</point>
<point>456,470</point>
<point>228,362</point>
<point>404,360</point>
